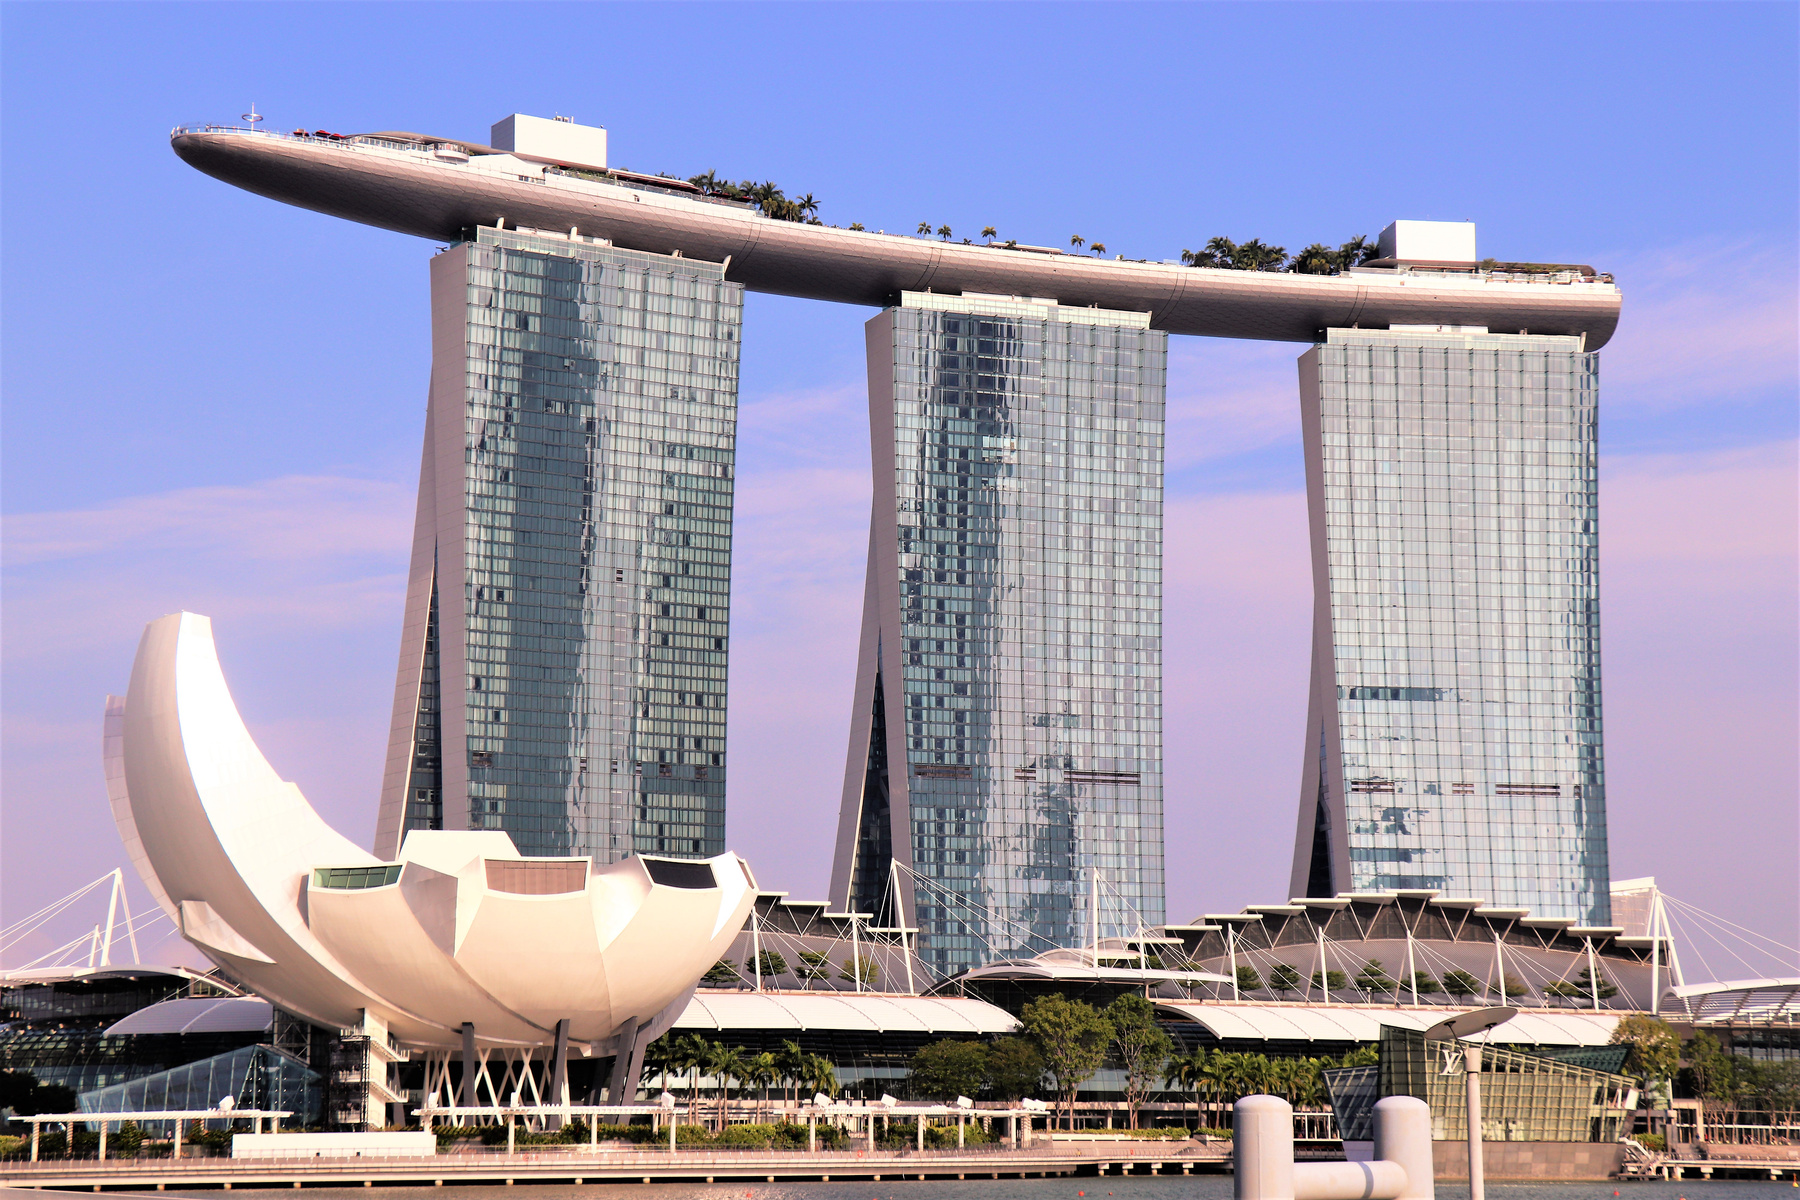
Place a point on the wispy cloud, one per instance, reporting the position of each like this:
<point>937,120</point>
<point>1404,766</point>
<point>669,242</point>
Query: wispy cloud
<point>1229,397</point>
<point>1703,324</point>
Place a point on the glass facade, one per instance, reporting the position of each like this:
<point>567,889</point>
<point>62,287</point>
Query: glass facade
<point>598,406</point>
<point>254,1077</point>
<point>1011,665</point>
<point>1453,482</point>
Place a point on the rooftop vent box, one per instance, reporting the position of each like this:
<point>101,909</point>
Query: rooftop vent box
<point>1426,241</point>
<point>557,140</point>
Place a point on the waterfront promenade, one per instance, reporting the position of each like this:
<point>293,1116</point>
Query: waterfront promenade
<point>579,1164</point>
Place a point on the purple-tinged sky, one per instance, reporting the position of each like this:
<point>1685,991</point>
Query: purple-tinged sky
<point>213,402</point>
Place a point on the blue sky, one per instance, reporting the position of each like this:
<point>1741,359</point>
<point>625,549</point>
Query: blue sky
<point>212,401</point>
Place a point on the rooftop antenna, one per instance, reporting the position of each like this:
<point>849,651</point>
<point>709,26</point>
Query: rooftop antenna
<point>252,116</point>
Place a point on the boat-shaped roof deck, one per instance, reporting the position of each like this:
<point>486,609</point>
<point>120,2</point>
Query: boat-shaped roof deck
<point>437,189</point>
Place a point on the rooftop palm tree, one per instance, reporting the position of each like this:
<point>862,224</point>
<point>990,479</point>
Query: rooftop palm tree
<point>987,231</point>
<point>1316,259</point>
<point>1098,248</point>
<point>1254,255</point>
<point>1077,241</point>
<point>1356,251</point>
<point>943,233</point>
<point>924,228</point>
<point>807,205</point>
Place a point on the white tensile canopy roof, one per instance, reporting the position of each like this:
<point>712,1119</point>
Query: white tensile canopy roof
<point>1308,1023</point>
<point>199,1014</point>
<point>863,1012</point>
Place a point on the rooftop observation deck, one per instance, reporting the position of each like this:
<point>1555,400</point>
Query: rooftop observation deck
<point>438,188</point>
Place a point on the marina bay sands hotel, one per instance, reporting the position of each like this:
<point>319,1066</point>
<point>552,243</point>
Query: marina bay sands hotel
<point>566,642</point>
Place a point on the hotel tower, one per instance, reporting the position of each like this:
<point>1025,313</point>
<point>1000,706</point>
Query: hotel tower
<point>1006,742</point>
<point>1454,737</point>
<point>563,656</point>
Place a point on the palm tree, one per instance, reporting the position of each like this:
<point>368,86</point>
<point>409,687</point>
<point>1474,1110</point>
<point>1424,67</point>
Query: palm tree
<point>1190,1071</point>
<point>706,182</point>
<point>988,232</point>
<point>1098,248</point>
<point>1356,251</point>
<point>790,1060</point>
<point>725,1063</point>
<point>1253,255</point>
<point>1077,241</point>
<point>807,205</point>
<point>924,228</point>
<point>1316,259</point>
<point>943,233</point>
<point>760,1071</point>
<point>821,1075</point>
<point>690,1054</point>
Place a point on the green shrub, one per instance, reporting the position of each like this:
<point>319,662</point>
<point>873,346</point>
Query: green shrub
<point>126,1140</point>
<point>942,1137</point>
<point>1652,1141</point>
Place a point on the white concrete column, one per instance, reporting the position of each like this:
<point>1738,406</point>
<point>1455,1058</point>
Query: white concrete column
<point>1403,1136</point>
<point>1262,1149</point>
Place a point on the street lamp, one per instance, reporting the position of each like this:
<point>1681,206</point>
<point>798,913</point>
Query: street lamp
<point>1469,1024</point>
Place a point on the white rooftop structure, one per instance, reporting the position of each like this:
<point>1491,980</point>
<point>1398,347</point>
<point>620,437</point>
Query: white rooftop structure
<point>199,1014</point>
<point>865,1012</point>
<point>1346,1023</point>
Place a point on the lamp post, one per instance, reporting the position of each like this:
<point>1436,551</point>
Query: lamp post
<point>1470,1023</point>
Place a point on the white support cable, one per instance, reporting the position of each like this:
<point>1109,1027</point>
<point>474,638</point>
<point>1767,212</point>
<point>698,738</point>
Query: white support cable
<point>1697,911</point>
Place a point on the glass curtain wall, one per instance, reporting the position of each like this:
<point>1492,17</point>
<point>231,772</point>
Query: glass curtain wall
<point>599,408</point>
<point>1014,680</point>
<point>1457,744</point>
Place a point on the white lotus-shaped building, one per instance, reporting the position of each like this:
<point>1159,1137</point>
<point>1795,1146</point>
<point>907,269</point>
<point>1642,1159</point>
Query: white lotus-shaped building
<point>460,941</point>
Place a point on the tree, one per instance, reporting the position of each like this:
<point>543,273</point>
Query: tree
<point>1583,987</point>
<point>1253,255</point>
<point>813,965</point>
<point>1514,986</point>
<point>1247,979</point>
<point>1316,259</point>
<point>1284,979</point>
<point>1190,1071</point>
<point>725,1064</point>
<point>721,974</point>
<point>947,1069</point>
<point>988,232</point>
<point>1655,1051</point>
<point>771,965</point>
<point>821,1075</point>
<point>1422,982</point>
<point>1077,241</point>
<point>689,1053</point>
<point>857,226</point>
<point>1709,1065</point>
<point>1098,248</point>
<point>1374,978</point>
<point>762,1071</point>
<point>1461,983</point>
<point>943,233</point>
<point>1014,1069</point>
<point>1356,251</point>
<point>790,1060</point>
<point>924,228</point>
<point>1072,1037</point>
<point>1331,980</point>
<point>863,965</point>
<point>1141,1045</point>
